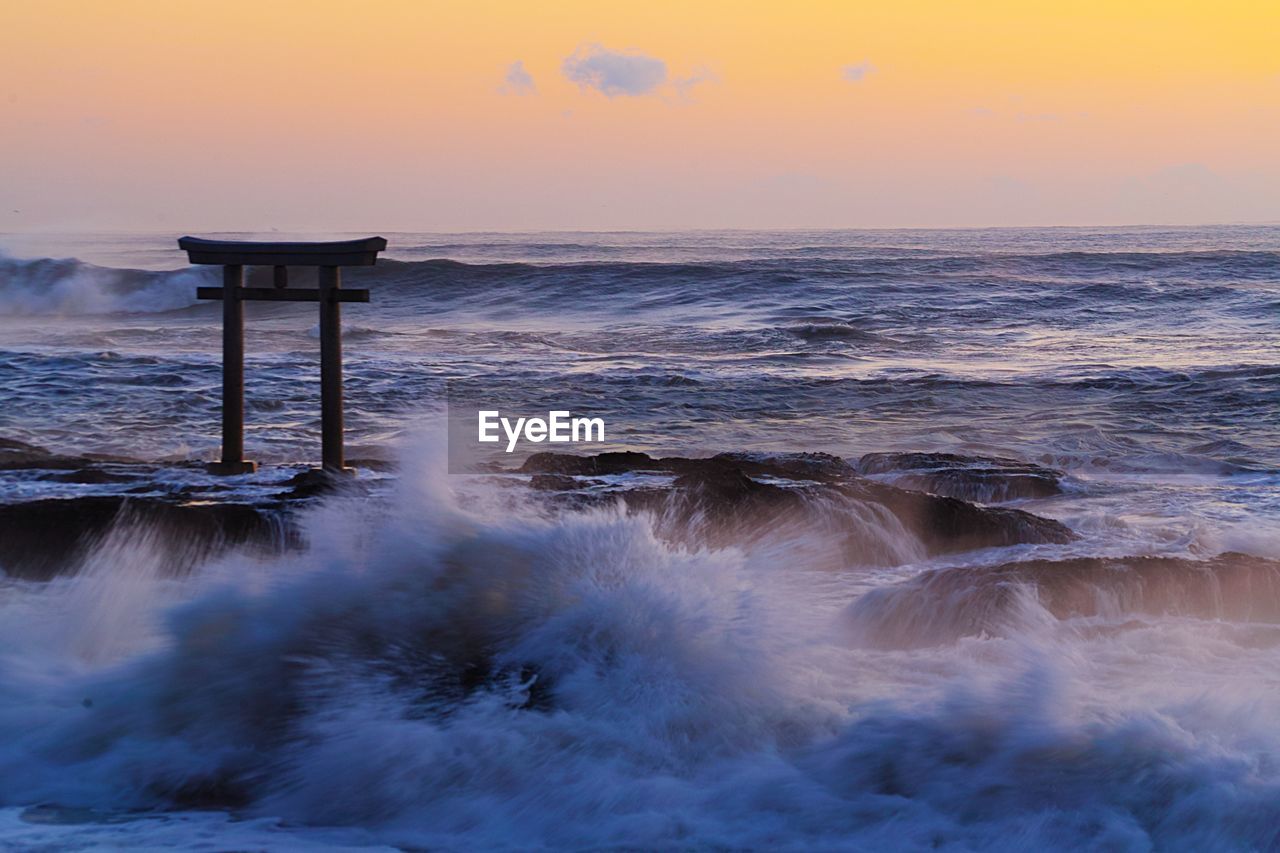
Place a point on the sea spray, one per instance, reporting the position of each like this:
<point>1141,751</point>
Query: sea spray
<point>471,673</point>
<point>43,286</point>
<point>504,671</point>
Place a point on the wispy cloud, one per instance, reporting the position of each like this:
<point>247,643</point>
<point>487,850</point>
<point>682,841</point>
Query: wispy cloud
<point>615,73</point>
<point>684,85</point>
<point>857,71</point>
<point>517,81</point>
<point>1037,117</point>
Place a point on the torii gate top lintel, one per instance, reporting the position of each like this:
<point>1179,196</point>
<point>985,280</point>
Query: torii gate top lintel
<point>234,256</point>
<point>338,253</point>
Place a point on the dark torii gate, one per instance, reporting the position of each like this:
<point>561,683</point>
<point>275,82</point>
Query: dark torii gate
<point>234,256</point>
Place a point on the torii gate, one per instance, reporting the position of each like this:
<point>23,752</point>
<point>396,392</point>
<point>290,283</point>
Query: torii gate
<point>234,256</point>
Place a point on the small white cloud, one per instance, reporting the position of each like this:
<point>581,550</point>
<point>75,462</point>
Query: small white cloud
<point>684,85</point>
<point>613,72</point>
<point>517,81</point>
<point>856,72</point>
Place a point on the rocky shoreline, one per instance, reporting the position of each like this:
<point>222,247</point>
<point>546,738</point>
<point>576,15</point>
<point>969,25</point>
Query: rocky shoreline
<point>59,506</point>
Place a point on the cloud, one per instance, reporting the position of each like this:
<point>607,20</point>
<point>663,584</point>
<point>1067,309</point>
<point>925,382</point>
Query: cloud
<point>517,81</point>
<point>854,73</point>
<point>684,85</point>
<point>615,73</point>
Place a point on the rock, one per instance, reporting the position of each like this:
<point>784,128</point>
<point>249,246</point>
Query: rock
<point>601,463</point>
<point>944,605</point>
<point>731,499</point>
<point>821,467</point>
<point>947,525</point>
<point>92,477</point>
<point>43,538</point>
<point>984,479</point>
<point>317,482</point>
<point>18,455</point>
<point>553,483</point>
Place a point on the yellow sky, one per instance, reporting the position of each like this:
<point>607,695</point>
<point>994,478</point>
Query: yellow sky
<point>342,116</point>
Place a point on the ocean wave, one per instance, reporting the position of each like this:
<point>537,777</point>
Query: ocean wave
<point>1226,266</point>
<point>68,286</point>
<point>446,677</point>
<point>1072,279</point>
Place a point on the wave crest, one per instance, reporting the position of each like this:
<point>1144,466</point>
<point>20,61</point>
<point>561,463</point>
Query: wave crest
<point>67,286</point>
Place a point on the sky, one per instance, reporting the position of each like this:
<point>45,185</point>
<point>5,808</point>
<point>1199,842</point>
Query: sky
<point>482,115</point>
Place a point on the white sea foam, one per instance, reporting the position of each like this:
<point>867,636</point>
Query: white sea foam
<point>458,678</point>
<point>71,287</point>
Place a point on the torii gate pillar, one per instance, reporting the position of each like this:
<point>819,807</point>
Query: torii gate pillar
<point>234,256</point>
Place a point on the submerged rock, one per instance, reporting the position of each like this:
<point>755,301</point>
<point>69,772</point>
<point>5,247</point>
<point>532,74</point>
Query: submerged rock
<point>179,511</point>
<point>821,467</point>
<point>984,479</point>
<point>728,500</point>
<point>740,498</point>
<point>602,463</point>
<point>18,455</point>
<point>42,538</point>
<point>944,605</point>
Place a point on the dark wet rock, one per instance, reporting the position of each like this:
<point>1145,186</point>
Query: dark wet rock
<point>601,463</point>
<point>553,483</point>
<point>316,483</point>
<point>945,605</point>
<point>737,499</point>
<point>42,538</point>
<point>984,479</point>
<point>312,483</point>
<point>727,500</point>
<point>947,525</point>
<point>822,467</point>
<point>18,455</point>
<point>373,463</point>
<point>187,517</point>
<point>92,477</point>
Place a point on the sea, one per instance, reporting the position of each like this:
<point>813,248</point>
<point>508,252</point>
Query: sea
<point>704,696</point>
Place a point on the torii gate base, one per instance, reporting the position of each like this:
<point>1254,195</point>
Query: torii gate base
<point>234,256</point>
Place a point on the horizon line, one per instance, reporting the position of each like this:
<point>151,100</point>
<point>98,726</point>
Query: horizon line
<point>597,230</point>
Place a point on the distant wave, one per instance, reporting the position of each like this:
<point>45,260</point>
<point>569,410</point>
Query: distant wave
<point>1219,264</point>
<point>67,286</point>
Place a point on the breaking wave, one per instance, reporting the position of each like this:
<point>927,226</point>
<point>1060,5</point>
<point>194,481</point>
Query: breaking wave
<point>69,287</point>
<point>1077,279</point>
<point>454,675</point>
<point>761,658</point>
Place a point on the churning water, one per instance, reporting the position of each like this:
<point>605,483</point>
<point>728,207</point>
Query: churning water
<point>449,668</point>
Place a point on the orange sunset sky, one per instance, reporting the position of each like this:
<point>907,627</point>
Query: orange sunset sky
<point>309,116</point>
